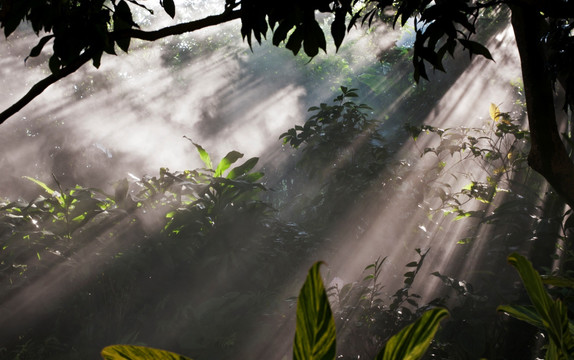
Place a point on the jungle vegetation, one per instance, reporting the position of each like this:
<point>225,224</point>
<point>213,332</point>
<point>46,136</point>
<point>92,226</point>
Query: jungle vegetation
<point>241,221</point>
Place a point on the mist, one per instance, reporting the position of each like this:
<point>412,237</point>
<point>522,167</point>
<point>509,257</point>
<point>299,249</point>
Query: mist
<point>224,288</point>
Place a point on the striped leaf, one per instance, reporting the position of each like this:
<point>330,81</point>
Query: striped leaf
<point>413,341</point>
<point>132,352</point>
<point>315,329</point>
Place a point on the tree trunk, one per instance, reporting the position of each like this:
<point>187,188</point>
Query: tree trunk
<point>548,155</point>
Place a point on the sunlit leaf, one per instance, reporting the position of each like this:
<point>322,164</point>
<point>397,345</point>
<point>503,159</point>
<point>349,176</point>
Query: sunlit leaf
<point>204,156</point>
<point>132,352</point>
<point>412,342</point>
<point>41,184</point>
<point>494,112</point>
<point>226,162</point>
<point>315,330</point>
<point>242,169</point>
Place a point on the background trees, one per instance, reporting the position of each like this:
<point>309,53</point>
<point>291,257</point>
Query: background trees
<point>83,30</point>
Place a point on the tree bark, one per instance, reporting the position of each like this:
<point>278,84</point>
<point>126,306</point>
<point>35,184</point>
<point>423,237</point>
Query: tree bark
<point>548,155</point>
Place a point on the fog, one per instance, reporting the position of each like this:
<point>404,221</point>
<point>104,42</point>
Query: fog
<point>136,114</point>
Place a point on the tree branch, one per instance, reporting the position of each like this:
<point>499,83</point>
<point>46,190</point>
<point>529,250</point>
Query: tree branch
<point>43,84</point>
<point>178,29</point>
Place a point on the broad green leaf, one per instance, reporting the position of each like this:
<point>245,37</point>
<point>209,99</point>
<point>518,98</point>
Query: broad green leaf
<point>132,352</point>
<point>552,313</point>
<point>204,156</point>
<point>252,177</point>
<point>315,329</point>
<point>412,342</point>
<point>242,169</point>
<point>558,281</point>
<point>226,162</point>
<point>533,284</point>
<point>524,313</point>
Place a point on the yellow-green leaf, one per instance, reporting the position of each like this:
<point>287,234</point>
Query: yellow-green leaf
<point>413,341</point>
<point>315,330</point>
<point>494,112</point>
<point>132,352</point>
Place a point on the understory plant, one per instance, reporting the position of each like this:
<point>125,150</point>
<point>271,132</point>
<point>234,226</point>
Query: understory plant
<point>315,332</point>
<point>549,315</point>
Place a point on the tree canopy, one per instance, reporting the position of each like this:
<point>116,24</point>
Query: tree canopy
<point>81,31</point>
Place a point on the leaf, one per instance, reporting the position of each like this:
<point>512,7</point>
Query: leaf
<point>169,7</point>
<point>533,284</point>
<point>41,184</point>
<point>36,50</point>
<point>524,313</point>
<point>281,32</point>
<point>494,112</point>
<point>338,28</point>
<point>412,342</point>
<point>476,48</point>
<point>558,281</point>
<point>132,352</point>
<point>553,314</point>
<point>123,20</point>
<point>226,162</point>
<point>242,169</point>
<point>295,40</point>
<point>315,329</point>
<point>204,156</point>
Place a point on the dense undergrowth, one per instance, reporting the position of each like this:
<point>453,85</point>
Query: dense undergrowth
<point>197,261</point>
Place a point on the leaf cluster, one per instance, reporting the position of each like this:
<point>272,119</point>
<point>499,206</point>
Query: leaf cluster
<point>499,149</point>
<point>548,314</point>
<point>75,27</point>
<point>364,311</point>
<point>294,22</point>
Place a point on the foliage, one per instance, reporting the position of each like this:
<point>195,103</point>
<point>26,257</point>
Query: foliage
<point>212,221</point>
<point>315,331</point>
<point>366,321</point>
<point>119,352</point>
<point>76,27</point>
<point>547,314</point>
<point>328,135</point>
<point>215,223</point>
<point>499,149</point>
<point>342,154</point>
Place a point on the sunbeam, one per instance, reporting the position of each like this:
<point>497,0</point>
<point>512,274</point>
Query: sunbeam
<point>176,196</point>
